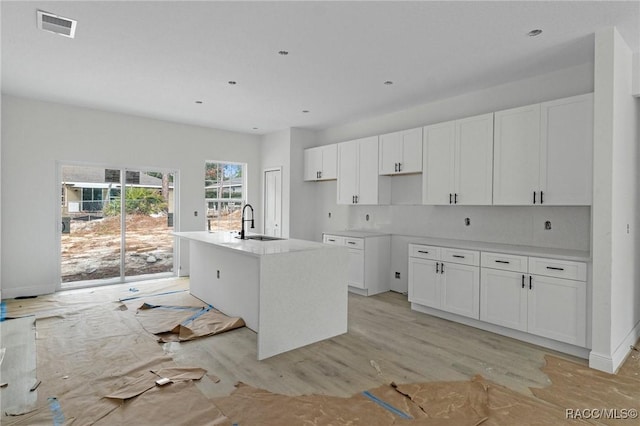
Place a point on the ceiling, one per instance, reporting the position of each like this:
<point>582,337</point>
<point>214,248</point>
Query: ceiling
<point>156,59</point>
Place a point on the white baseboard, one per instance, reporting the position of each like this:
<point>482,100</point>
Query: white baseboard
<point>622,351</point>
<point>11,293</point>
<point>555,345</point>
<point>610,363</point>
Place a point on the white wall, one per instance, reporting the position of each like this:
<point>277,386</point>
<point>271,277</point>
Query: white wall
<point>509,225</point>
<point>37,134</point>
<point>303,194</point>
<point>616,240</point>
<point>276,152</point>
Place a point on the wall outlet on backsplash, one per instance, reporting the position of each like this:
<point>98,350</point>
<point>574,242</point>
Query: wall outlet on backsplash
<point>547,225</point>
<point>467,221</point>
<point>366,218</point>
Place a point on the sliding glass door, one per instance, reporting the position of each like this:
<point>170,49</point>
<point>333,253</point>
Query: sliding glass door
<point>111,231</point>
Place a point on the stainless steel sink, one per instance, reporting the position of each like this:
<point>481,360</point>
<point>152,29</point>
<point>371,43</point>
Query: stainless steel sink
<point>261,238</point>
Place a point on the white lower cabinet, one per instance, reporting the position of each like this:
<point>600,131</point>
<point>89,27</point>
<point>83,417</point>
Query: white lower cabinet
<point>369,260</point>
<point>445,285</point>
<point>539,296</point>
<point>544,305</point>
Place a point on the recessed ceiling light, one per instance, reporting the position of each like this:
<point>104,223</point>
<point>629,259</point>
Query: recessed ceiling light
<point>198,102</point>
<point>305,111</point>
<point>534,33</point>
<point>388,82</point>
<point>231,82</point>
<point>283,52</point>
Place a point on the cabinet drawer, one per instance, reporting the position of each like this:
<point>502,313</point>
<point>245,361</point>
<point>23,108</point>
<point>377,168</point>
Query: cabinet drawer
<point>463,257</point>
<point>505,262</point>
<point>424,252</point>
<point>558,268</point>
<point>354,243</point>
<point>333,240</point>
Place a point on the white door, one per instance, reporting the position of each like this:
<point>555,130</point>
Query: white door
<point>273,202</point>
<point>348,172</point>
<point>516,160</point>
<point>438,160</point>
<point>390,153</point>
<point>411,158</point>
<point>329,168</point>
<point>424,282</point>
<point>356,268</point>
<point>557,309</point>
<point>567,151</point>
<point>368,179</point>
<point>503,298</point>
<point>461,289</point>
<point>474,160</point>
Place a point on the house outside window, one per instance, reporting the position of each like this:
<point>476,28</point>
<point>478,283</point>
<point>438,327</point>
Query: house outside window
<point>225,195</point>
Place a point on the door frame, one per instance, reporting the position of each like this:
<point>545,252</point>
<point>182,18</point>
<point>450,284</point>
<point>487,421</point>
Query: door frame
<point>264,192</point>
<point>122,278</point>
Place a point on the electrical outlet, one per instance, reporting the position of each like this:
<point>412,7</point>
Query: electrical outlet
<point>329,215</point>
<point>195,213</point>
<point>467,221</point>
<point>367,218</point>
<point>547,225</point>
<point>397,275</point>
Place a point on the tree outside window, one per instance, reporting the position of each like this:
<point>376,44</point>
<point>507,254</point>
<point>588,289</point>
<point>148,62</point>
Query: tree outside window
<point>224,192</point>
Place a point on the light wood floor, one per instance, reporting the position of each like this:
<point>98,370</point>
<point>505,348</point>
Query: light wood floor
<point>386,342</point>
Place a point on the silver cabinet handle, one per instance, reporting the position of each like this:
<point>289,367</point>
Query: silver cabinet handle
<point>422,251</point>
<point>458,256</point>
<point>503,261</point>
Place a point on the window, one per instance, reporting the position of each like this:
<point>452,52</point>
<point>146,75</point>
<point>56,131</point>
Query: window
<point>225,195</point>
<point>91,199</point>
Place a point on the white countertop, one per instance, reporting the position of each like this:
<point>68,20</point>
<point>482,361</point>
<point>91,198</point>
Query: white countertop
<point>229,241</point>
<point>357,234</point>
<point>564,254</point>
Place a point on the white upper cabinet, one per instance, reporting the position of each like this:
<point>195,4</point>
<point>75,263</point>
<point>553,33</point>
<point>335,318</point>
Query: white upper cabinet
<point>516,158</point>
<point>320,163</point>
<point>566,141</point>
<point>458,162</point>
<point>358,179</point>
<point>401,152</point>
<point>543,153</point>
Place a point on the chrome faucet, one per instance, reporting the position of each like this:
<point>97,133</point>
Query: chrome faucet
<point>246,220</point>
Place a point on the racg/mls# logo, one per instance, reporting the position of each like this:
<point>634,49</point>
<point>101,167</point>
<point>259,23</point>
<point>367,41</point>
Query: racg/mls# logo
<point>601,413</point>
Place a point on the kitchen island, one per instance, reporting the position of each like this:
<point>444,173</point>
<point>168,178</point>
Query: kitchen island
<point>290,292</point>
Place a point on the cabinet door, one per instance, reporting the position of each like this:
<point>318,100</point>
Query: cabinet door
<point>355,277</point>
<point>329,169</point>
<point>390,153</point>
<point>461,290</point>
<point>516,158</point>
<point>567,151</point>
<point>312,163</point>
<point>411,155</point>
<point>474,160</point>
<point>438,152</point>
<point>503,301</point>
<point>347,172</point>
<point>557,309</point>
<point>368,179</point>
<point>424,283</point>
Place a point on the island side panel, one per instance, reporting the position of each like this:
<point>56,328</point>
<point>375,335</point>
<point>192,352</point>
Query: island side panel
<point>235,291</point>
<point>303,299</point>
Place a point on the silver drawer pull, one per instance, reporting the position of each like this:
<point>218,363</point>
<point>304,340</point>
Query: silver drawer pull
<point>458,256</point>
<point>333,241</point>
<point>555,269</point>
<point>422,251</point>
<point>502,261</point>
<point>350,242</point>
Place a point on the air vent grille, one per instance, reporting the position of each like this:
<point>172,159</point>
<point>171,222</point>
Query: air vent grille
<point>56,24</point>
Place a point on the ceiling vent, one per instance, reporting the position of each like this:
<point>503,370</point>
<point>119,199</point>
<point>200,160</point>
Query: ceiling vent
<point>56,24</point>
